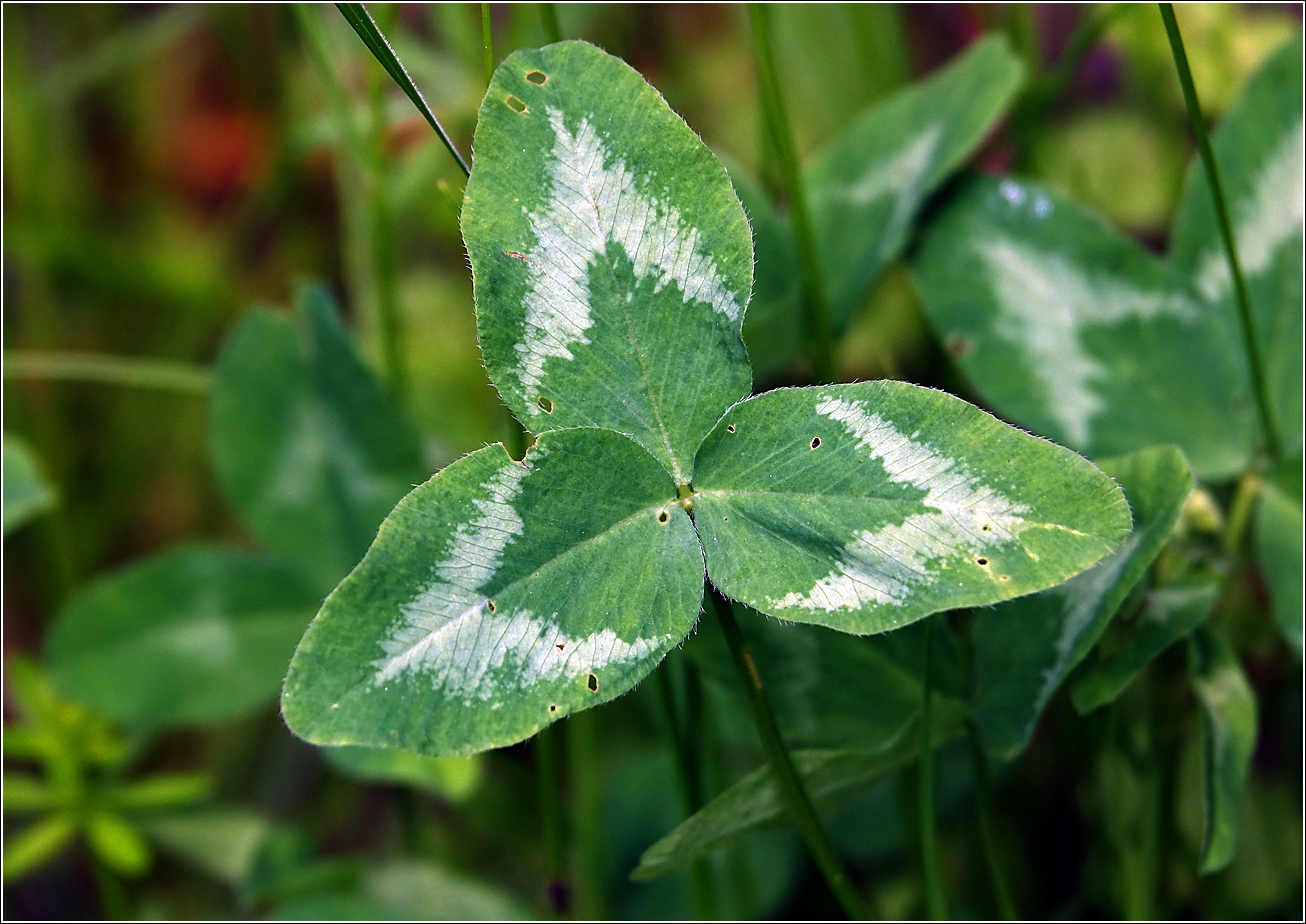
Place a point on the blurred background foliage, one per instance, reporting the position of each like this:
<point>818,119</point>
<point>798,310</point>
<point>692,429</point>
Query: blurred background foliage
<point>167,167</point>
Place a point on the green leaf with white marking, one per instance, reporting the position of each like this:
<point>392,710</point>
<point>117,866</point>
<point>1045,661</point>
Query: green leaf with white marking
<point>1229,726</point>
<point>499,597</point>
<point>1168,615</point>
<point>1070,329</point>
<point>198,634</point>
<point>1022,650</point>
<point>1258,146</point>
<point>308,446</point>
<point>867,186</point>
<point>865,507</point>
<point>611,258</point>
<point>1279,551</point>
<point>27,492</point>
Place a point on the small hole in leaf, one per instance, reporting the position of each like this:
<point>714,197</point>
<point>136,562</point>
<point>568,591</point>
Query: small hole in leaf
<point>561,646</point>
<point>816,442</point>
<point>593,683</point>
<point>1004,578</point>
<point>663,516</point>
<point>489,604</point>
<point>730,428</point>
<point>537,78</point>
<point>515,104</point>
<point>553,707</point>
<point>982,562</point>
<point>986,527</point>
<point>544,404</point>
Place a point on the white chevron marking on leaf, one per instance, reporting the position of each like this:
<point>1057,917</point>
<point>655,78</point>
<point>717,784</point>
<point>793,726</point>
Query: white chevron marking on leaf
<point>965,518</point>
<point>594,200</point>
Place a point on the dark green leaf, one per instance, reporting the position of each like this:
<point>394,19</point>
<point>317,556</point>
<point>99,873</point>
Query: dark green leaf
<point>611,258</point>
<point>499,597</point>
<point>1259,149</point>
<point>308,446</point>
<point>1168,615</point>
<point>197,634</point>
<point>868,185</point>
<point>27,493</point>
<point>830,777</point>
<point>1229,726</point>
<point>1076,332</point>
<point>1023,649</point>
<point>1279,549</point>
<point>866,507</point>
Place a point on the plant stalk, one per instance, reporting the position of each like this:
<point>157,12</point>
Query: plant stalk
<point>690,790</point>
<point>782,765</point>
<point>587,800</point>
<point>131,372</point>
<point>547,759</point>
<point>819,325</point>
<point>988,837</point>
<point>549,20</point>
<point>1254,362</point>
<point>487,42</point>
<point>935,901</point>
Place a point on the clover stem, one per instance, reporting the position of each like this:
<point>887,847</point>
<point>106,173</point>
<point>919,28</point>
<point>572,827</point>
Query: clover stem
<point>547,759</point>
<point>1254,362</point>
<point>549,20</point>
<point>818,307</point>
<point>487,42</point>
<point>132,372</point>
<point>588,827</point>
<point>691,790</point>
<point>935,901</point>
<point>782,765</point>
<point>988,838</point>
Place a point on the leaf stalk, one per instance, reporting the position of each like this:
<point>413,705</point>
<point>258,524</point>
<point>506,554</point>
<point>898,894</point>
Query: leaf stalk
<point>782,765</point>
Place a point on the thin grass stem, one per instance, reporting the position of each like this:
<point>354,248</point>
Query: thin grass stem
<point>549,20</point>
<point>936,903</point>
<point>487,43</point>
<point>1255,363</point>
<point>100,369</point>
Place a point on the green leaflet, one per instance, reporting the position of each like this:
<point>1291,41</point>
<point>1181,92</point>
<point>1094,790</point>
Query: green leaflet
<point>1023,649</point>
<point>307,445</point>
<point>452,777</point>
<point>611,258</point>
<point>830,778</point>
<point>27,492</point>
<point>221,841</point>
<point>866,507</point>
<point>500,596</point>
<point>197,634</point>
<point>1229,726</point>
<point>867,186</point>
<point>1078,333</point>
<point>36,845</point>
<point>1168,615</point>
<point>1259,148</point>
<point>1279,550</point>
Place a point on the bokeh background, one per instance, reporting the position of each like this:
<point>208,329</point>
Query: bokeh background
<point>166,167</point>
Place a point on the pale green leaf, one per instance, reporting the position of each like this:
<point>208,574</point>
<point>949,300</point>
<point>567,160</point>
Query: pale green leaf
<point>160,792</point>
<point>197,634</point>
<point>866,507</point>
<point>27,492</point>
<point>611,258</point>
<point>308,446</point>
<point>867,186</point>
<point>220,841</point>
<point>830,778</point>
<point>34,846</point>
<point>499,597</point>
<point>1023,649</point>
<point>1068,328</point>
<point>1259,149</point>
<point>452,777</point>
<point>1168,615</point>
<point>1279,549</point>
<point>1229,725</point>
<point>23,793</point>
<point>426,892</point>
<point>117,843</point>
